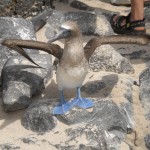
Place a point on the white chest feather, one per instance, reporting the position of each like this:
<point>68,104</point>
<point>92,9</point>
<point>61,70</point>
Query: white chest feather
<point>71,77</point>
<point>73,66</point>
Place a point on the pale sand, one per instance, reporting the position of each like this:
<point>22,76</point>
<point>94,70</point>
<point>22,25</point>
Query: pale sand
<point>10,125</point>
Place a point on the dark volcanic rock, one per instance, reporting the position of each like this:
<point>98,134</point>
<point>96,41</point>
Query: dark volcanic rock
<point>145,91</point>
<point>147,141</point>
<point>40,20</point>
<point>29,140</point>
<point>14,28</point>
<point>38,117</point>
<point>21,80</point>
<point>81,6</point>
<point>105,113</point>
<point>8,146</point>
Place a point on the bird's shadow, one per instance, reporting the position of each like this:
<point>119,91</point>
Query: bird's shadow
<point>95,89</point>
<point>100,88</point>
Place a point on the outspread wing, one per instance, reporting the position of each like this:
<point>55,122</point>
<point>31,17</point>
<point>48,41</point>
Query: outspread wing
<point>91,45</point>
<point>23,53</point>
<point>18,45</point>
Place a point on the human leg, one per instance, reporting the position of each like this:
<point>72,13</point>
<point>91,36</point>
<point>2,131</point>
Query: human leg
<point>137,10</point>
<point>133,22</point>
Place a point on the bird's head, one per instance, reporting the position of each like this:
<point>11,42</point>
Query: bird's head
<point>68,30</point>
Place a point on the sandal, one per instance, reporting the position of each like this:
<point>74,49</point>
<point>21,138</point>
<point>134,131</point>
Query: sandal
<point>129,27</point>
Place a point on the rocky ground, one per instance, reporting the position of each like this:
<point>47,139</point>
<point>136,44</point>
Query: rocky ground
<point>118,83</point>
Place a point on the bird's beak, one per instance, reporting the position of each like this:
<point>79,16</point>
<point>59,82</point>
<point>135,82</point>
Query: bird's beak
<point>62,34</point>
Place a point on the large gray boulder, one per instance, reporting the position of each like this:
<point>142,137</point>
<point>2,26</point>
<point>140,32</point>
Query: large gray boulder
<point>22,80</point>
<point>38,117</point>
<point>14,28</point>
<point>106,58</point>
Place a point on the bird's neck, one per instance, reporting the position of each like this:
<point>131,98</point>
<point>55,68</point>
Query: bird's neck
<point>74,49</point>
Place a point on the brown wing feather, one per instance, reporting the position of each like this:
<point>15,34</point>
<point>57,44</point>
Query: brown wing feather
<point>52,49</point>
<point>114,39</point>
<point>23,53</point>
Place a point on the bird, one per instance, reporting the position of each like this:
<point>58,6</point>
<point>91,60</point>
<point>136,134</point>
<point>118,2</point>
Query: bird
<point>73,67</point>
<point>73,59</point>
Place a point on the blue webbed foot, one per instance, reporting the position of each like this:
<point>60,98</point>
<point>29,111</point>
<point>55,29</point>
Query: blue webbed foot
<point>62,108</point>
<point>82,103</point>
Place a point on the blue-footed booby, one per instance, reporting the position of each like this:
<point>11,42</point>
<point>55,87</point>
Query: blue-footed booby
<point>73,60</point>
<point>72,67</point>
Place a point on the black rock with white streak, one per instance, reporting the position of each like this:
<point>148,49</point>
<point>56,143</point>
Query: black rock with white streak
<point>14,28</point>
<point>22,80</point>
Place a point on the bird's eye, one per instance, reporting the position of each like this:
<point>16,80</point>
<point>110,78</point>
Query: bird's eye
<point>67,33</point>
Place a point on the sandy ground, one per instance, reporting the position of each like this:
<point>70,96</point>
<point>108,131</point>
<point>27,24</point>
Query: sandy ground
<point>10,124</point>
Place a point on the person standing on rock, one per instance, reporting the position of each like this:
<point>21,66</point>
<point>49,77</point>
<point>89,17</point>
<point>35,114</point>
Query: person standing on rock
<point>133,23</point>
